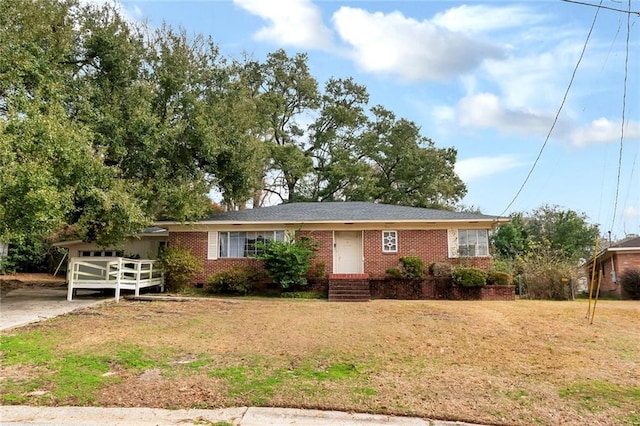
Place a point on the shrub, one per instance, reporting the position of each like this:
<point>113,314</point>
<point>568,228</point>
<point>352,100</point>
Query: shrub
<point>394,272</point>
<point>504,265</point>
<point>630,282</point>
<point>440,269</point>
<point>469,277</point>
<point>287,263</point>
<point>180,267</point>
<point>499,278</point>
<point>412,267</point>
<point>317,272</point>
<point>544,274</point>
<point>239,280</point>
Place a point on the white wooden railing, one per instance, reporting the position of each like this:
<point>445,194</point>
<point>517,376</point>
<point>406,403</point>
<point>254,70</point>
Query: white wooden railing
<point>116,273</point>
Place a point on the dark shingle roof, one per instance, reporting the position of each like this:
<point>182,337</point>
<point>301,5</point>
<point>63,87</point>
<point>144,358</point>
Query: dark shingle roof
<point>629,242</point>
<point>343,212</point>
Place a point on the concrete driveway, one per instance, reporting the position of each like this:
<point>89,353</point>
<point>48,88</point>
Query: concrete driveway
<point>33,303</point>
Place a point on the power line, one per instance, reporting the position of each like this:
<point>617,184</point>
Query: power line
<point>555,120</point>
<point>600,6</point>
<point>624,106</point>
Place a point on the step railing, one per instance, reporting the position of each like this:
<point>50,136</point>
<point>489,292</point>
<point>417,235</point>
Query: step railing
<point>117,273</point>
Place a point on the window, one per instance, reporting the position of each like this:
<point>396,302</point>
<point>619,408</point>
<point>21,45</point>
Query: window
<point>389,241</point>
<point>473,242</point>
<point>243,244</point>
<point>101,253</point>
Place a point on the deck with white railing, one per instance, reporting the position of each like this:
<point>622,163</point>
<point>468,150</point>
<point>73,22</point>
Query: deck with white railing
<point>115,273</point>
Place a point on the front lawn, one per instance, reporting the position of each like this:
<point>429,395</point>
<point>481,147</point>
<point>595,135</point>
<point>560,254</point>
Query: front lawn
<point>523,362</point>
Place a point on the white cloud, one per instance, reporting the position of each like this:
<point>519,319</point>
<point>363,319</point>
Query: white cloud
<point>603,131</point>
<point>414,50</point>
<point>131,14</point>
<point>631,211</point>
<point>444,113</point>
<point>537,79</point>
<point>477,167</point>
<point>295,23</point>
<point>485,110</point>
<point>474,19</point>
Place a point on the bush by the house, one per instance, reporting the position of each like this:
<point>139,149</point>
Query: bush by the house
<point>180,267</point>
<point>630,282</point>
<point>440,269</point>
<point>545,274</point>
<point>287,262</point>
<point>499,278</point>
<point>412,267</point>
<point>469,277</point>
<point>239,281</point>
<point>394,273</point>
<point>317,272</point>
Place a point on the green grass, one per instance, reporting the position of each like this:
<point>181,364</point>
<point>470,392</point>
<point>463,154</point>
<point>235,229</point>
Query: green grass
<point>33,348</point>
<point>74,378</point>
<point>258,384</point>
<point>600,395</point>
<point>453,360</point>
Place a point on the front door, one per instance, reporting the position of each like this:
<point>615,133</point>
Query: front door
<point>347,252</point>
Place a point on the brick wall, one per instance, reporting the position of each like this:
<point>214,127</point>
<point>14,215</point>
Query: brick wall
<point>324,252</point>
<point>197,243</point>
<point>429,245</point>
<point>622,262</point>
<point>430,289</point>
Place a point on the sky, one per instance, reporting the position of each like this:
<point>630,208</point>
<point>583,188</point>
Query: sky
<point>493,79</point>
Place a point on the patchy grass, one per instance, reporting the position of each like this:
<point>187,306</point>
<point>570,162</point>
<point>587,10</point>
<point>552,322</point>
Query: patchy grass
<point>523,363</point>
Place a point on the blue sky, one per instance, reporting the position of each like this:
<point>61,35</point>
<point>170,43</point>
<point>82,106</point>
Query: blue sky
<point>485,77</point>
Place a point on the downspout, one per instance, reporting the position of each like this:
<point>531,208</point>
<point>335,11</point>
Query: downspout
<point>613,272</point>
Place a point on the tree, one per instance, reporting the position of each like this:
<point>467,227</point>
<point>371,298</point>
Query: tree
<point>511,239</point>
<point>407,167</point>
<point>564,232</point>
<point>51,175</point>
<point>346,152</point>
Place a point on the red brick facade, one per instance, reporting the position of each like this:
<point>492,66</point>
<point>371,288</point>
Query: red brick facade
<point>429,245</point>
<point>619,261</point>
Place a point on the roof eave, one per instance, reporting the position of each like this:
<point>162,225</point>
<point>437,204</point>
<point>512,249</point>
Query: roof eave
<point>496,220</point>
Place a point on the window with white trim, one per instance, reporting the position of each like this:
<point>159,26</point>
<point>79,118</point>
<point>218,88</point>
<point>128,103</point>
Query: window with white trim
<point>473,242</point>
<point>389,241</point>
<point>243,244</point>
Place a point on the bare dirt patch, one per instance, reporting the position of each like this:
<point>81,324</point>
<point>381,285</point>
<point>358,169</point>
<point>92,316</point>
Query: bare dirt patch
<point>13,281</point>
<point>523,362</point>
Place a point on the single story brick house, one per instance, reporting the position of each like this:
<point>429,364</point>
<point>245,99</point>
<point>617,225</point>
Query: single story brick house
<point>612,262</point>
<point>355,239</point>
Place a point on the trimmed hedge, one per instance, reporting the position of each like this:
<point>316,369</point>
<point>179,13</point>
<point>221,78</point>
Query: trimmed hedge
<point>499,278</point>
<point>239,280</point>
<point>469,277</point>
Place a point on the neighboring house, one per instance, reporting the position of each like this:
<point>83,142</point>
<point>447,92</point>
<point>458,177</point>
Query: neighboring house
<point>145,245</point>
<point>355,239</point>
<point>613,262</point>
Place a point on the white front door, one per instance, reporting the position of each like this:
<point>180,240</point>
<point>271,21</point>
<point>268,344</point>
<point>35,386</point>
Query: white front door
<point>347,252</point>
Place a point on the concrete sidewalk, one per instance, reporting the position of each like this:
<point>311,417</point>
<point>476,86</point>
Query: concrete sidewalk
<point>242,416</point>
